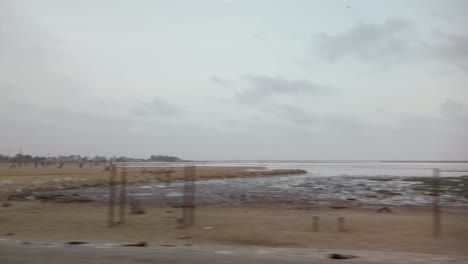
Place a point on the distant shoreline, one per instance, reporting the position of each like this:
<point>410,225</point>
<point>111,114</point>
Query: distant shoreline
<point>22,182</point>
<point>332,161</point>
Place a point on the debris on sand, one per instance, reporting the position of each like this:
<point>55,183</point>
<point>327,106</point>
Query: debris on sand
<point>384,209</point>
<point>338,207</point>
<point>136,208</point>
<point>139,244</point>
<point>341,256</point>
<point>76,243</point>
<point>61,198</point>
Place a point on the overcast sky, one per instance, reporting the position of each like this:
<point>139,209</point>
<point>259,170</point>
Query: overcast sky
<point>233,79</point>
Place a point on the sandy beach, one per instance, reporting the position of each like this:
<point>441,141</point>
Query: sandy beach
<point>262,223</point>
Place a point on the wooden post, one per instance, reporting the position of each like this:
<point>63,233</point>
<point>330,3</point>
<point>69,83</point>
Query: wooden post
<point>188,200</point>
<point>167,177</point>
<point>436,217</point>
<point>341,224</point>
<point>316,224</point>
<point>111,212</point>
<point>123,195</point>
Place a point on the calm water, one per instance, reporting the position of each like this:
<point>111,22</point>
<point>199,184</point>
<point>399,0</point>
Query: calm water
<point>351,168</point>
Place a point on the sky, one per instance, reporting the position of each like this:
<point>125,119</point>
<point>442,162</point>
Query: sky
<point>235,79</point>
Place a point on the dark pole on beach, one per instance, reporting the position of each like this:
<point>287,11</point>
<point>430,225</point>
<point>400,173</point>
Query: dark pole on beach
<point>188,200</point>
<point>316,224</point>
<point>341,224</point>
<point>110,219</point>
<point>123,195</point>
<point>436,217</point>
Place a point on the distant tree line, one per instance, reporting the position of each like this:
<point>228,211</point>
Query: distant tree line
<point>21,158</point>
<point>162,158</point>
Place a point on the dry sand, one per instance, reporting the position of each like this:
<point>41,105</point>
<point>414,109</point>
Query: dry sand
<point>405,229</point>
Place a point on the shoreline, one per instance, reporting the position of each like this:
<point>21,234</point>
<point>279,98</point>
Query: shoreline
<point>22,182</point>
<point>73,184</point>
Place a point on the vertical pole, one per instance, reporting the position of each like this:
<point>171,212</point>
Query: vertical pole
<point>123,195</point>
<point>167,175</point>
<point>110,218</point>
<point>316,224</point>
<point>188,201</point>
<point>436,217</point>
<point>192,201</point>
<point>341,224</point>
<point>185,199</point>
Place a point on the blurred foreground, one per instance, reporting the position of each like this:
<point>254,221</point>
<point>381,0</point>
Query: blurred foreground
<point>105,254</point>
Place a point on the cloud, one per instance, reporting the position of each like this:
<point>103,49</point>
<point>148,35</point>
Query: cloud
<point>156,106</point>
<point>303,117</point>
<point>21,40</point>
<point>346,122</point>
<point>59,116</point>
<point>392,41</point>
<point>453,50</point>
<point>366,41</point>
<point>222,81</point>
<point>36,65</point>
<point>262,87</point>
<point>259,35</point>
<point>453,11</point>
<point>293,114</point>
<point>453,110</point>
<point>451,114</point>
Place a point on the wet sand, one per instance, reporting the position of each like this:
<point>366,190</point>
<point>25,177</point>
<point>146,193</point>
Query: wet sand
<point>304,189</point>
